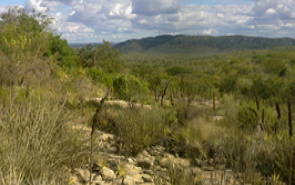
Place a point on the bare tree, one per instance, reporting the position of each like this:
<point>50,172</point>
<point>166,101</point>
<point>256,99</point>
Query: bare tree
<point>94,124</point>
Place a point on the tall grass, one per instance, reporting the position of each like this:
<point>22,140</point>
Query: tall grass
<point>35,145</point>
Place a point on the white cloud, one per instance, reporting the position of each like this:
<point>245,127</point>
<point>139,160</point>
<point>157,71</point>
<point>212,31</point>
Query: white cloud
<point>155,7</point>
<point>36,5</point>
<point>94,20</point>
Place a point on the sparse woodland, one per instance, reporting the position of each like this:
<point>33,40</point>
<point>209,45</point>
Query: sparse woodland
<point>232,111</point>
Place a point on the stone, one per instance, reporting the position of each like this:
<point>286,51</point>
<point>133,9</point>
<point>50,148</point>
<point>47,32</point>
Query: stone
<point>145,160</point>
<point>132,170</point>
<point>82,174</point>
<point>169,160</point>
<point>106,137</point>
<point>137,178</point>
<point>145,163</point>
<point>128,180</point>
<point>147,178</point>
<point>82,177</point>
<point>196,171</point>
<point>130,160</point>
<point>118,181</point>
<point>107,174</point>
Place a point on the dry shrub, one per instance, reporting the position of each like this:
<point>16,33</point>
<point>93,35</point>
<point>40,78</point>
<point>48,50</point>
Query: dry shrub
<point>36,147</point>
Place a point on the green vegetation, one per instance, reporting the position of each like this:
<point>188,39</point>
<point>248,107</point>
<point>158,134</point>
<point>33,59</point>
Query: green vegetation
<point>168,45</point>
<point>235,109</point>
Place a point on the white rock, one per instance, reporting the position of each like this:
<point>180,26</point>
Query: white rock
<point>107,174</point>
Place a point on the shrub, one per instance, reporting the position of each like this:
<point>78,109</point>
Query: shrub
<point>130,88</point>
<point>136,128</point>
<point>100,76</point>
<point>248,117</point>
<point>36,147</point>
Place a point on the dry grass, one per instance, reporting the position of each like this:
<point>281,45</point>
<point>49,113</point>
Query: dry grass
<point>36,148</point>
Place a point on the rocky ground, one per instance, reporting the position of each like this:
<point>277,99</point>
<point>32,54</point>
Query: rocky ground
<point>151,167</point>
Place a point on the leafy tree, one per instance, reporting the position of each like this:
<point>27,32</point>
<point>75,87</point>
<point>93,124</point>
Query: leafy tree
<point>61,51</point>
<point>23,36</point>
<point>130,88</point>
<point>101,56</point>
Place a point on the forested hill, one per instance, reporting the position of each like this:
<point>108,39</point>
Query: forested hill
<point>199,45</point>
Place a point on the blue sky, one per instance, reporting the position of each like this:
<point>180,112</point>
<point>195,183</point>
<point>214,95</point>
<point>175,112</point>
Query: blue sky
<point>117,20</point>
<point>9,2</point>
<point>214,2</point>
<point>210,2</point>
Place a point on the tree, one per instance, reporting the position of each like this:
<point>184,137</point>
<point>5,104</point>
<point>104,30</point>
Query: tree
<point>23,36</point>
<point>130,88</point>
<point>102,56</point>
<point>159,84</point>
<point>61,51</point>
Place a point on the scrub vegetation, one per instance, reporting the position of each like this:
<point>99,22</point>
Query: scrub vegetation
<point>235,109</point>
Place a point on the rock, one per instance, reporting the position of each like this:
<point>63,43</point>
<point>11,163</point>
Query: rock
<point>146,164</point>
<point>97,179</point>
<point>113,165</point>
<point>149,172</point>
<point>132,170</point>
<point>157,150</point>
<point>169,160</point>
<point>133,180</point>
<point>103,183</point>
<point>105,137</point>
<point>208,168</point>
<point>107,174</point>
<point>118,181</point>
<point>74,180</point>
<point>145,160</point>
<point>128,180</point>
<point>82,177</point>
<point>196,171</point>
<point>130,160</point>
<point>165,163</point>
<point>147,178</point>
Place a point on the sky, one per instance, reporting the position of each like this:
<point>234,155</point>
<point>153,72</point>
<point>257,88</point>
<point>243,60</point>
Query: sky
<point>84,21</point>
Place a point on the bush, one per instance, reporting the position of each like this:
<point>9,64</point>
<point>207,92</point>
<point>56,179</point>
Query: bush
<point>100,76</point>
<point>136,128</point>
<point>36,147</point>
<point>248,117</point>
<point>130,88</point>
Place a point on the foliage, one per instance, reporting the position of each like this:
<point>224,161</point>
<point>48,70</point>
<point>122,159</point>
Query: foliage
<point>130,88</point>
<point>101,56</point>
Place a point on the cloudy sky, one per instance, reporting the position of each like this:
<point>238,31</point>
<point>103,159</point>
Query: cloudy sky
<point>117,20</point>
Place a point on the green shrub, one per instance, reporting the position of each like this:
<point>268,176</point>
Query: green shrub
<point>248,117</point>
<point>130,88</point>
<point>136,128</point>
<point>100,76</point>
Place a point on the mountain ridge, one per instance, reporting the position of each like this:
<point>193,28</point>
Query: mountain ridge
<point>188,44</point>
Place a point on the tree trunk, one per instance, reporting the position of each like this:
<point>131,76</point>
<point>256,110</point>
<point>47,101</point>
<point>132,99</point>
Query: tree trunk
<point>214,101</point>
<point>262,119</point>
<point>172,100</point>
<point>290,127</point>
<point>278,110</point>
<point>279,115</point>
<point>290,119</point>
<point>164,93</point>
<point>94,124</point>
<point>257,103</point>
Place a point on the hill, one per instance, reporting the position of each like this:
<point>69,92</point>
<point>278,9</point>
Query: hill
<point>199,45</point>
